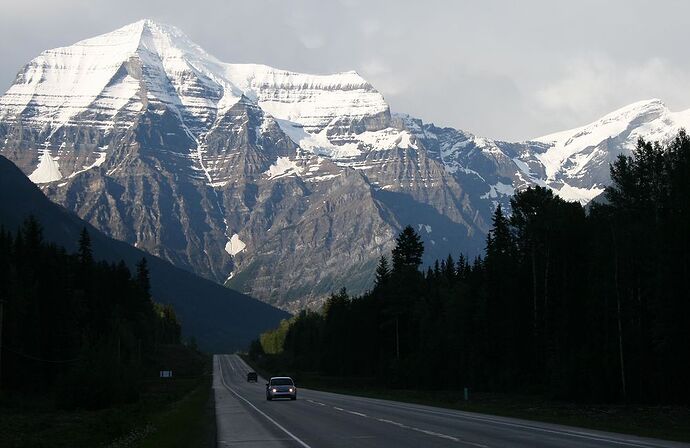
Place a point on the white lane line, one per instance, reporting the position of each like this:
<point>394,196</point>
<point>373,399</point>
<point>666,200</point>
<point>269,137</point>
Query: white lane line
<point>231,366</point>
<point>487,419</point>
<point>569,433</point>
<point>432,433</point>
<point>360,414</point>
<point>236,366</point>
<point>281,427</point>
<point>412,428</point>
<point>444,436</point>
<point>383,420</point>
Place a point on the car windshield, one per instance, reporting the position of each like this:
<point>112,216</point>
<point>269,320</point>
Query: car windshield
<point>281,382</point>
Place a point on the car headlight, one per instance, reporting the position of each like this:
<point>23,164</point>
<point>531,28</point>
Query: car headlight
<point>275,390</point>
<point>291,389</point>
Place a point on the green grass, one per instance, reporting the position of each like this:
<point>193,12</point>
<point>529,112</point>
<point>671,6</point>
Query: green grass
<point>172,412</point>
<point>664,422</point>
<point>189,423</point>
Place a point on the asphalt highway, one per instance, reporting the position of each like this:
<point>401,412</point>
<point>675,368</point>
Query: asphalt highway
<point>321,420</point>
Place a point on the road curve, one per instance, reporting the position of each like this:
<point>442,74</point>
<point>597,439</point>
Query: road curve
<point>322,420</point>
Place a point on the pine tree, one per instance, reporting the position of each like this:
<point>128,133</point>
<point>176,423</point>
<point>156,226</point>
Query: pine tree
<point>449,268</point>
<point>383,272</point>
<point>142,278</point>
<point>33,236</point>
<point>85,253</point>
<point>408,251</point>
<point>500,241</point>
<point>501,316</point>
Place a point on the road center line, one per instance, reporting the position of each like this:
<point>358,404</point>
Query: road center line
<point>231,366</point>
<point>412,428</point>
<point>567,433</point>
<point>281,427</point>
<point>360,414</point>
<point>432,433</point>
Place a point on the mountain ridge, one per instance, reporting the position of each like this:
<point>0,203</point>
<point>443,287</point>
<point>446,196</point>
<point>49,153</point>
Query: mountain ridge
<point>282,184</point>
<point>218,318</point>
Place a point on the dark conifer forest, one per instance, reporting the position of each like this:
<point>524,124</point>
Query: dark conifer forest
<point>75,328</point>
<point>573,303</point>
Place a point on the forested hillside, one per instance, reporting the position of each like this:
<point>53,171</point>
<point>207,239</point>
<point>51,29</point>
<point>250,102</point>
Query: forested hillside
<point>74,327</point>
<point>220,319</point>
<point>572,303</point>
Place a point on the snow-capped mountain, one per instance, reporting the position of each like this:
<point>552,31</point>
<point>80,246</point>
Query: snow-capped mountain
<point>574,163</point>
<point>579,158</point>
<point>281,184</point>
<point>287,185</point>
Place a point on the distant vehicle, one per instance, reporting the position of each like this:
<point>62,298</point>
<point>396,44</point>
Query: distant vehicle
<point>281,387</point>
<point>252,377</point>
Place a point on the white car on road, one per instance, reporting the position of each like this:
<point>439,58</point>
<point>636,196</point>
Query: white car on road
<point>281,387</point>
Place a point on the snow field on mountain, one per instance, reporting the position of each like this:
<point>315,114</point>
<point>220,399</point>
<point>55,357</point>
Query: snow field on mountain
<point>48,169</point>
<point>235,245</point>
<point>283,166</point>
<point>108,80</point>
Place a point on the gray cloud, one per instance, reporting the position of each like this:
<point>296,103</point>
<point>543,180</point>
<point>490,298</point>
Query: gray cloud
<point>503,69</point>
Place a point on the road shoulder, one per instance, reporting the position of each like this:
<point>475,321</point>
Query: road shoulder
<point>237,424</point>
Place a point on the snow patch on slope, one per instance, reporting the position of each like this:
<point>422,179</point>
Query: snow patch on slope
<point>499,188</point>
<point>282,167</point>
<point>318,142</point>
<point>389,138</point>
<point>99,161</point>
<point>235,245</point>
<point>48,170</point>
<point>581,195</point>
<point>426,227</point>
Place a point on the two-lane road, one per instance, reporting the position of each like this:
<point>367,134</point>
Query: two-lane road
<point>321,419</point>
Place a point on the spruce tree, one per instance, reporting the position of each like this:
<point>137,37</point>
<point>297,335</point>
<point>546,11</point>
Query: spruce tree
<point>85,253</point>
<point>383,272</point>
<point>142,278</point>
<point>408,251</point>
<point>500,242</point>
<point>449,268</point>
<point>33,234</point>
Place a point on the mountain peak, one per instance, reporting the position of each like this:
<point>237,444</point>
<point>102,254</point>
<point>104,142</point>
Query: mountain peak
<point>145,34</point>
<point>621,116</point>
<point>636,109</point>
<point>572,153</point>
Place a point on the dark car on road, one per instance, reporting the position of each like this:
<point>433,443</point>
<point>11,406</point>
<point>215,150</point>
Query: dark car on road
<point>252,377</point>
<point>281,387</point>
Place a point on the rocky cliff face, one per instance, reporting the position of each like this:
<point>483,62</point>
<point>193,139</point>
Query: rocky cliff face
<point>574,163</point>
<point>283,185</point>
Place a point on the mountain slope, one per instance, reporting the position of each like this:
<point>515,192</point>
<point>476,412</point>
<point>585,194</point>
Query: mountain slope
<point>283,185</point>
<point>219,318</point>
<point>280,183</point>
<point>574,163</point>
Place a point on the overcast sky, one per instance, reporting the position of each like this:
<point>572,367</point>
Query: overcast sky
<point>501,69</point>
